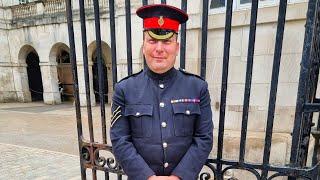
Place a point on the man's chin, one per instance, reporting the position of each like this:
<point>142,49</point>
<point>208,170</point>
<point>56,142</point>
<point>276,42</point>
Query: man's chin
<point>159,70</point>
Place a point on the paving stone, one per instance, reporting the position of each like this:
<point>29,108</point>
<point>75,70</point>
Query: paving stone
<point>40,142</point>
<point>32,163</point>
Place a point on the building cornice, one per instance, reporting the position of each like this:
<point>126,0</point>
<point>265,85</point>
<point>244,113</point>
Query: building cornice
<point>48,12</point>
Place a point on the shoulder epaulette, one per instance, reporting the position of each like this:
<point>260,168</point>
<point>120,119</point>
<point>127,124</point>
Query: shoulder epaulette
<point>134,74</point>
<point>190,74</point>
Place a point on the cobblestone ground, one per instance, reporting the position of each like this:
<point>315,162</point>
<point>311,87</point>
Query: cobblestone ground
<point>39,141</point>
<point>18,162</point>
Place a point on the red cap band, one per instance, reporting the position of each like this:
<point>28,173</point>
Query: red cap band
<point>160,23</point>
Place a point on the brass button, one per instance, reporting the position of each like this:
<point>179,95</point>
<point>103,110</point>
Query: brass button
<point>161,104</point>
<point>161,86</point>
<point>137,114</point>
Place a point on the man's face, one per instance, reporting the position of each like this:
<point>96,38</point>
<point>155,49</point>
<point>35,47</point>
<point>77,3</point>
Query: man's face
<point>160,54</point>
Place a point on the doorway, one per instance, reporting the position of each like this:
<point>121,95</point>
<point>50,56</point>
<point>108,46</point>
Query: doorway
<point>65,76</point>
<point>34,77</point>
<point>96,78</point>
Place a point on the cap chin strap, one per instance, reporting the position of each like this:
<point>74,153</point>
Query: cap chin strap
<point>160,37</point>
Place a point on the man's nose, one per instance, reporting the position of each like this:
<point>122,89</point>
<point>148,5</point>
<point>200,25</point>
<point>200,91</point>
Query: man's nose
<point>159,47</point>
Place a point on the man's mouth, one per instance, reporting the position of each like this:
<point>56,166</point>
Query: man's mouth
<point>159,57</point>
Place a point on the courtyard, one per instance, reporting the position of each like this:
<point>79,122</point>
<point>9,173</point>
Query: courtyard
<point>39,141</point>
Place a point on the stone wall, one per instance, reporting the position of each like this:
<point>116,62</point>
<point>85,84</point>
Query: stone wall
<point>7,87</point>
<point>261,78</point>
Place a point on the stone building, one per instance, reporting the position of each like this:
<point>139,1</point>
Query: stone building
<point>34,60</point>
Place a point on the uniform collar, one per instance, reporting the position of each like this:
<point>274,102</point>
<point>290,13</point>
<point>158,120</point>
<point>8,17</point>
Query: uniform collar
<point>165,76</point>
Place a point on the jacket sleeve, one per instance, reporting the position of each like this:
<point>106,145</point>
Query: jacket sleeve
<point>125,152</point>
<point>196,156</point>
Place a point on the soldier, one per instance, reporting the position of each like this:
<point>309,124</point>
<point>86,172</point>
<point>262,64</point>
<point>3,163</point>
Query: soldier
<point>161,126</point>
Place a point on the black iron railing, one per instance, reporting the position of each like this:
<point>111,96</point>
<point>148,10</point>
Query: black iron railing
<point>307,102</point>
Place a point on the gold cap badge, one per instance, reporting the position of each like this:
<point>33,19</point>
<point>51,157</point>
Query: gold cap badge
<point>161,21</point>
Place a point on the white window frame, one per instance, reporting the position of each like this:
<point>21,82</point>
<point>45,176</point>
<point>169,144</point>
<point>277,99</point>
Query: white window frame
<point>262,4</point>
<point>220,9</point>
<point>296,1</point>
<point>237,6</point>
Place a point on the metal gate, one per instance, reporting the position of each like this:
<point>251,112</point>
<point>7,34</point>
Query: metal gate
<point>307,102</point>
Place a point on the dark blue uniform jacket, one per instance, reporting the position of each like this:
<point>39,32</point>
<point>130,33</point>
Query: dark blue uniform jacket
<point>161,124</point>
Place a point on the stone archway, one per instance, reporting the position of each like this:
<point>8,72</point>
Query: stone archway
<point>30,76</point>
<point>34,76</point>
<point>95,77</point>
<point>60,53</point>
<point>107,68</point>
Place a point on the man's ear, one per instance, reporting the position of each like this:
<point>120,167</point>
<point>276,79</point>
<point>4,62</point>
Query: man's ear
<point>142,47</point>
<point>177,48</point>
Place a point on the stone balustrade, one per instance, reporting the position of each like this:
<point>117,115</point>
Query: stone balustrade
<point>24,10</point>
<point>54,6</point>
<point>89,3</point>
<point>47,7</point>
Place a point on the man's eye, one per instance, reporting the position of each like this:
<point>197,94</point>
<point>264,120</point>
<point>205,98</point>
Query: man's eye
<point>167,41</point>
<point>151,41</point>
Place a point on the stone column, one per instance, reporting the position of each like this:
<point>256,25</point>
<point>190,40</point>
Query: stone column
<point>82,87</point>
<point>40,7</point>
<point>20,76</point>
<point>49,76</point>
<point>110,83</point>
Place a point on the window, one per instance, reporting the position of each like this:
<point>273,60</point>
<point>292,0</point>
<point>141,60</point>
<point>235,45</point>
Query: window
<point>220,5</point>
<point>23,1</point>
<point>217,4</point>
<point>245,1</point>
<point>262,3</point>
<point>297,1</point>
